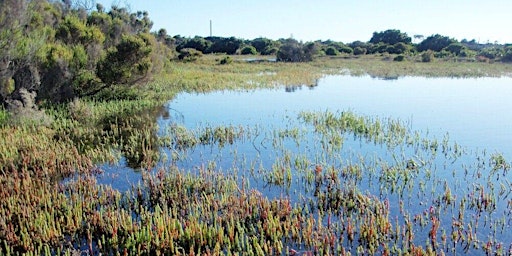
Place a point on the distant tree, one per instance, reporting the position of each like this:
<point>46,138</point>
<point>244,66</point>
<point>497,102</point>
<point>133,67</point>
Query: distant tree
<point>262,44</point>
<point>294,51</point>
<point>189,54</point>
<point>507,56</point>
<point>361,45</point>
<point>228,45</point>
<point>198,43</point>
<point>456,48</point>
<point>390,36</point>
<point>345,49</point>
<point>435,43</point>
<point>359,51</point>
<point>419,37</point>
<point>398,48</point>
<point>491,53</point>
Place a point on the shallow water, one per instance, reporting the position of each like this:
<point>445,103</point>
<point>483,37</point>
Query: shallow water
<point>473,113</point>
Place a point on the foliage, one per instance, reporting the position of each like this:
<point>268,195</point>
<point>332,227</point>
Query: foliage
<point>427,56</point>
<point>359,51</point>
<point>456,48</point>
<point>294,51</point>
<point>226,60</point>
<point>189,54</point>
<point>399,58</point>
<point>435,43</point>
<point>331,51</point>
<point>390,36</point>
<point>507,56</point>
<point>126,63</point>
<point>263,45</point>
<point>197,43</point>
<point>248,50</point>
<point>223,45</point>
<point>491,53</point>
<point>61,50</point>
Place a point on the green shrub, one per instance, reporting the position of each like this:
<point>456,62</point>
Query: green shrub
<point>507,57</point>
<point>331,51</point>
<point>189,54</point>
<point>249,50</point>
<point>4,116</point>
<point>345,49</point>
<point>226,60</point>
<point>359,51</point>
<point>399,58</point>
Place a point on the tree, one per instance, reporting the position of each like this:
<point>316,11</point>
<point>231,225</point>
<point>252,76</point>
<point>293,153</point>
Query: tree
<point>390,36</point>
<point>262,44</point>
<point>507,56</point>
<point>455,48</point>
<point>435,43</point>
<point>228,45</point>
<point>198,43</point>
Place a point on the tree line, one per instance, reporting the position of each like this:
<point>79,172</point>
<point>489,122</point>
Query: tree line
<point>54,51</point>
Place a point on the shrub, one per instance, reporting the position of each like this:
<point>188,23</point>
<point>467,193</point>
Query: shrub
<point>271,50</point>
<point>189,54</point>
<point>507,56</point>
<point>331,51</point>
<point>455,48</point>
<point>427,56</point>
<point>226,60</point>
<point>399,58</point>
<point>345,49</point>
<point>293,51</point>
<point>359,51</point>
<point>249,50</point>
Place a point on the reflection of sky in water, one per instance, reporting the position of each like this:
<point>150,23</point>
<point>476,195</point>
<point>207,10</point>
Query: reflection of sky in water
<point>475,112</point>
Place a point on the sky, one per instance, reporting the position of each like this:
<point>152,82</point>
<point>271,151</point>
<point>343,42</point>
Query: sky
<point>339,20</point>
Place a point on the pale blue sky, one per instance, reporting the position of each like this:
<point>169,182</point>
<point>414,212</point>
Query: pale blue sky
<point>339,20</point>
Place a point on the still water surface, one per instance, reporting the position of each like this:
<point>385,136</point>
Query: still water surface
<point>476,113</point>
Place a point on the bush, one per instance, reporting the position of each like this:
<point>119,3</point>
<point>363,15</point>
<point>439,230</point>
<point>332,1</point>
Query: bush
<point>189,54</point>
<point>331,51</point>
<point>359,51</point>
<point>226,60</point>
<point>293,51</point>
<point>507,57</point>
<point>345,49</point>
<point>249,50</point>
<point>271,50</point>
<point>427,56</point>
<point>399,58</point>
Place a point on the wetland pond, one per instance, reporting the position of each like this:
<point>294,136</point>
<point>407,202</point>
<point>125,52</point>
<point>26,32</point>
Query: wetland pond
<point>429,154</point>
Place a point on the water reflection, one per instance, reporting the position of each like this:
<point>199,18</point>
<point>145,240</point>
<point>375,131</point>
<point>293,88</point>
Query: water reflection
<point>294,88</point>
<point>135,136</point>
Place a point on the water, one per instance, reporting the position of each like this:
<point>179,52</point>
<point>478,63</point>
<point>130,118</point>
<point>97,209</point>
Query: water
<point>473,113</point>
